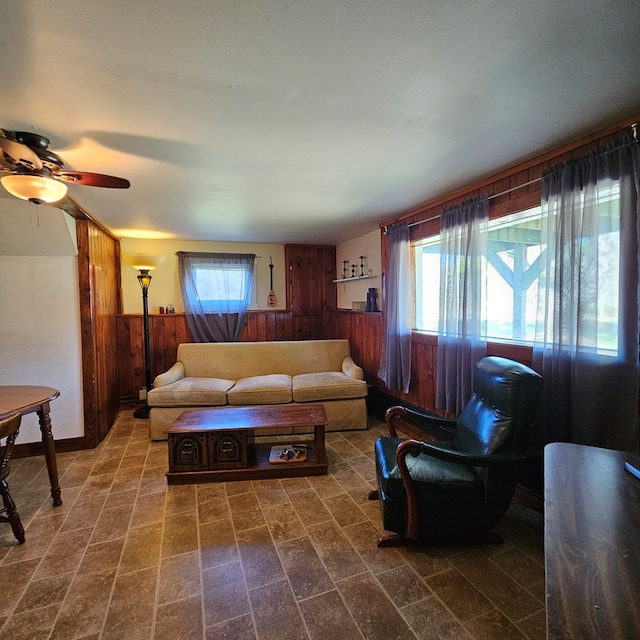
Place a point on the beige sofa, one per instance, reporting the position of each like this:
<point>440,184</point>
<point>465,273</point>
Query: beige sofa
<point>209,375</point>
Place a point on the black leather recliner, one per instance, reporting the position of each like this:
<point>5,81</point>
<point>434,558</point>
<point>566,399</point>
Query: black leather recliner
<point>457,489</point>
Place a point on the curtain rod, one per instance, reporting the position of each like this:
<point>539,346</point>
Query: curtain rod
<point>495,195</point>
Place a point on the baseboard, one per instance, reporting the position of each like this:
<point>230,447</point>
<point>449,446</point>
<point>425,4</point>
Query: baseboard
<point>30,449</point>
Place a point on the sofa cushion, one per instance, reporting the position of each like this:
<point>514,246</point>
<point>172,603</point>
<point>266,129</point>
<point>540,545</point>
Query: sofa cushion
<point>270,389</point>
<point>191,392</point>
<point>311,387</point>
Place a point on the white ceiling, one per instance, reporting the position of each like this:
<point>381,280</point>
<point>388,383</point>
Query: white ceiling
<point>306,120</point>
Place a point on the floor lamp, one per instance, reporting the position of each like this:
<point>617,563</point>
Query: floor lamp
<point>143,263</point>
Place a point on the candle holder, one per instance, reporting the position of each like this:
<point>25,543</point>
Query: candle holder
<point>353,270</point>
<point>362,266</point>
<point>344,269</point>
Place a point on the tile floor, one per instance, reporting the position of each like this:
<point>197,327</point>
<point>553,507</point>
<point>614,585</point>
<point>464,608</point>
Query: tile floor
<point>128,557</point>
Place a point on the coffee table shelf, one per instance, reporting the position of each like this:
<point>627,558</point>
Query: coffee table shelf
<point>204,433</point>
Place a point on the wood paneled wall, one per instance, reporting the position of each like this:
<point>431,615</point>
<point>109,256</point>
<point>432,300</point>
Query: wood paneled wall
<point>99,288</point>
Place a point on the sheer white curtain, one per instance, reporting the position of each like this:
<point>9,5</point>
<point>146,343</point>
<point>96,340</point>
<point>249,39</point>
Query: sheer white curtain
<point>587,331</point>
<point>463,283</point>
<point>395,359</point>
<point>216,291</point>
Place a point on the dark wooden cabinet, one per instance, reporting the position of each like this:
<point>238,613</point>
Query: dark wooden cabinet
<point>310,290</point>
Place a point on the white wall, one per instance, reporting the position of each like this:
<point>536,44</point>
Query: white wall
<point>356,290</point>
<point>40,320</point>
<point>165,284</point>
<point>40,337</point>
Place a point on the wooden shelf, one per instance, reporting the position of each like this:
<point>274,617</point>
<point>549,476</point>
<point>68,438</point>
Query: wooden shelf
<point>260,468</point>
<point>354,278</point>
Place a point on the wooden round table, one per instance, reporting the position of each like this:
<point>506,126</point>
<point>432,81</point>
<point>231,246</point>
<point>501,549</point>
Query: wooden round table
<point>24,399</point>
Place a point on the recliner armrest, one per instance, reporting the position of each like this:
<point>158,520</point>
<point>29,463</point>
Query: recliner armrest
<point>418,421</point>
<point>436,450</point>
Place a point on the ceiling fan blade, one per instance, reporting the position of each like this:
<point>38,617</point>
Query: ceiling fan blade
<point>93,179</point>
<point>14,153</point>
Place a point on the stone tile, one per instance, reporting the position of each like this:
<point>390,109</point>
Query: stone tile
<point>13,579</point>
<point>180,498</point>
<point>426,560</point>
<point>141,549</point>
<point>181,619</point>
<point>276,615</point>
<point>236,629</point>
<point>259,557</point>
<point>335,550</point>
<point>118,498</point>
<point>84,513</point>
<point>148,509</point>
<point>345,450</point>
<point>372,610</point>
<point>283,522</point>
<point>245,511</point>
<point>309,507</point>
<point>464,600</point>
<point>153,480</point>
<point>179,577</point>
<point>344,510</point>
<point>212,503</point>
<point>31,625</point>
<point>39,534</point>
<point>327,617</point>
<point>112,523</point>
<point>363,537</point>
<point>493,625</point>
<point>65,553</point>
<point>224,593</point>
<point>84,609</point>
<point>127,478</point>
<point>270,493</point>
<point>520,566</point>
<point>403,585</point>
<point>349,478</point>
<point>101,556</point>
<point>306,573</point>
<point>429,619</point>
<point>534,627</point>
<point>506,594</point>
<point>180,534</point>
<point>217,544</point>
<point>43,593</point>
<point>132,460</point>
<point>130,612</point>
<point>293,485</point>
<point>238,487</point>
<point>325,486</point>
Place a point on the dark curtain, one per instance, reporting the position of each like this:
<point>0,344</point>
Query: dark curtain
<point>462,324</point>
<point>586,351</point>
<point>215,305</point>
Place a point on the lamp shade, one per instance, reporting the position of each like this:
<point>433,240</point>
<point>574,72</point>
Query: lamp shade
<point>142,261</point>
<point>35,188</point>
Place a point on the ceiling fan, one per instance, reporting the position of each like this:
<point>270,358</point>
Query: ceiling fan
<point>35,173</point>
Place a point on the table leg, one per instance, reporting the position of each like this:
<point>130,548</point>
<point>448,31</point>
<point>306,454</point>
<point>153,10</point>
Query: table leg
<point>49,452</point>
<point>318,436</point>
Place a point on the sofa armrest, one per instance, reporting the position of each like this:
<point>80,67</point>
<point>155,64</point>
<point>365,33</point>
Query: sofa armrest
<point>351,369</point>
<point>173,375</point>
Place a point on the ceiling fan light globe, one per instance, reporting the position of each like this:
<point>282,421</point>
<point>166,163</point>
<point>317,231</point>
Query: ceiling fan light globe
<point>37,189</point>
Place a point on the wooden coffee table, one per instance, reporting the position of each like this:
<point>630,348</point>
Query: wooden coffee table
<point>217,445</point>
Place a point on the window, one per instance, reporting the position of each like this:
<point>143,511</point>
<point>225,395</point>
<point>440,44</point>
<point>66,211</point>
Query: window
<point>513,274</point>
<point>220,285</point>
